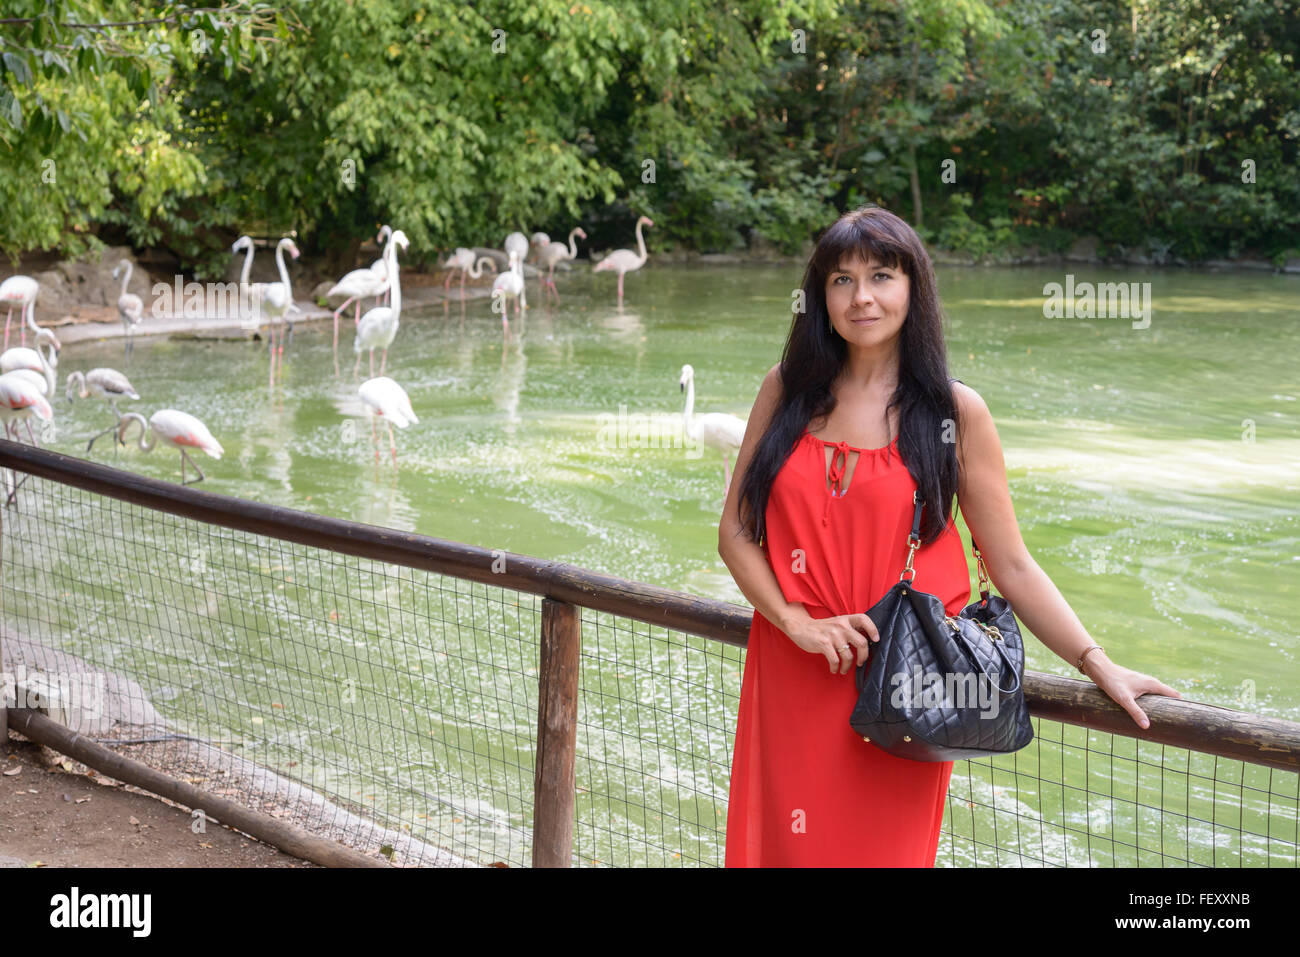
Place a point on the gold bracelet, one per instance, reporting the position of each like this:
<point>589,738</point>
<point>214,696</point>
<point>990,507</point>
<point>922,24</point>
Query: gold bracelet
<point>1079,665</point>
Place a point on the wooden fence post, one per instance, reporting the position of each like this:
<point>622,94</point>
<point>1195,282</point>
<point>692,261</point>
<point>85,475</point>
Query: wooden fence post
<point>557,734</point>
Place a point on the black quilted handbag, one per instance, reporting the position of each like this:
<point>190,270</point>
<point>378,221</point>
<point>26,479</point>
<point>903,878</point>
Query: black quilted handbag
<point>938,688</point>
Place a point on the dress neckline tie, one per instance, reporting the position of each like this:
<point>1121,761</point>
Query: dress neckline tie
<point>839,462</point>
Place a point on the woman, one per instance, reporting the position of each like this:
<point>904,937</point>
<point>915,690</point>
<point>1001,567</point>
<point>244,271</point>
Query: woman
<point>859,414</point>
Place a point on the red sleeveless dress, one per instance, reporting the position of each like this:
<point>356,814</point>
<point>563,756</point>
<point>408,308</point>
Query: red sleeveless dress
<point>806,790</point>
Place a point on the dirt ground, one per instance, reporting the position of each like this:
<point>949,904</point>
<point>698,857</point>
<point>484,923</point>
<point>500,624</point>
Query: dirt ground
<point>55,812</point>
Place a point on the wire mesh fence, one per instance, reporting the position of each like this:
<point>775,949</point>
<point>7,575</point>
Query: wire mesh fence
<point>394,709</point>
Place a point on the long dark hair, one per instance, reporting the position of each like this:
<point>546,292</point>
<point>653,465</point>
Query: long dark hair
<point>814,354</point>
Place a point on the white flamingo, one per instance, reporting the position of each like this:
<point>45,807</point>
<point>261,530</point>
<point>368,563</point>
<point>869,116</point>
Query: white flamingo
<point>385,399</point>
<point>178,429</point>
<point>379,267</point>
<point>360,284</point>
<point>107,385</point>
<point>554,253</point>
<point>510,286</point>
<point>130,307</point>
<point>275,301</point>
<point>20,292</point>
<point>461,260</point>
<point>34,360</point>
<point>717,430</point>
<point>624,260</point>
<point>378,327</point>
<point>518,243</point>
<point>539,242</point>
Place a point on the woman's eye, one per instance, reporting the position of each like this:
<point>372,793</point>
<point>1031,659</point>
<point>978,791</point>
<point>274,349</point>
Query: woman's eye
<point>885,274</point>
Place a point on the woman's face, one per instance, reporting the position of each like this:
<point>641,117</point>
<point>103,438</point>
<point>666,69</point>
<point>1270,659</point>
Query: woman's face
<point>867,302</point>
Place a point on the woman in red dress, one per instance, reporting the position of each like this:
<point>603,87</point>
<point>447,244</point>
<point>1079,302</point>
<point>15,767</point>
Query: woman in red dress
<point>858,415</point>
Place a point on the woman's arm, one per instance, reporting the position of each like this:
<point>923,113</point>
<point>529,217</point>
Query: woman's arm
<point>748,565</point>
<point>986,502</point>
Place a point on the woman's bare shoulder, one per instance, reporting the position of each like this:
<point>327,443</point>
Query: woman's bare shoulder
<point>970,404</point>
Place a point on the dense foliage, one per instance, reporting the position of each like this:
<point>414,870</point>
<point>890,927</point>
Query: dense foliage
<point>1168,129</point>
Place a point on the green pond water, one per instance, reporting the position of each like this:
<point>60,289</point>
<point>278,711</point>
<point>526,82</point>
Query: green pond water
<point>1154,474</point>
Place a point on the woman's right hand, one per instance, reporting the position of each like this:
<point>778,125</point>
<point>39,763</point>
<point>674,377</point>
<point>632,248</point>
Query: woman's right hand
<point>830,636</point>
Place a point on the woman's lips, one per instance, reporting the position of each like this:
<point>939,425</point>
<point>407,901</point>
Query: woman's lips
<point>861,321</point>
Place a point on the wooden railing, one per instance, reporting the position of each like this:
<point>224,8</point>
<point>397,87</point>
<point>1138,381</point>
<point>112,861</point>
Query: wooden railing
<point>1205,728</point>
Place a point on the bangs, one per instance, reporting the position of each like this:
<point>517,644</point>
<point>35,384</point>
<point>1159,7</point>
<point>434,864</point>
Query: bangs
<point>861,237</point>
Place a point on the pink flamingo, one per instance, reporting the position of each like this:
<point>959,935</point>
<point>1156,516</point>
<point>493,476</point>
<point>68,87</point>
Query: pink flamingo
<point>624,260</point>
<point>539,242</point>
<point>553,253</point>
<point>179,430</point>
<point>130,307</point>
<point>19,291</point>
<point>20,398</point>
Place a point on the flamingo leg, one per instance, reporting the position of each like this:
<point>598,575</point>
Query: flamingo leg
<point>446,286</point>
<point>185,458</point>
<point>7,318</point>
<point>97,435</point>
<point>463,274</point>
<point>346,303</point>
<point>374,439</point>
<point>620,288</point>
<point>372,363</point>
<point>356,320</point>
<point>383,364</point>
<point>392,444</point>
<point>356,366</point>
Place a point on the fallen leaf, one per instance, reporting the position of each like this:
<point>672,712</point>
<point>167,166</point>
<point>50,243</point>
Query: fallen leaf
<point>204,845</point>
<point>135,820</point>
<point>107,782</point>
<point>12,771</point>
<point>67,765</point>
<point>82,800</point>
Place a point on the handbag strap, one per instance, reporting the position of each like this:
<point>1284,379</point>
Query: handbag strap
<point>914,542</point>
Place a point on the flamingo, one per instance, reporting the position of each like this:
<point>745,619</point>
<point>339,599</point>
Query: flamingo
<point>276,300</point>
<point>553,253</point>
<point>510,285</point>
<point>378,327</point>
<point>130,307</point>
<point>462,259</point>
<point>385,399</point>
<point>35,360</point>
<point>539,242</point>
<point>179,430</point>
<point>107,385</point>
<point>718,430</point>
<point>517,242</point>
<point>379,267</point>
<point>19,291</point>
<point>20,399</point>
<point>360,284</point>
<point>247,292</point>
<point>624,260</point>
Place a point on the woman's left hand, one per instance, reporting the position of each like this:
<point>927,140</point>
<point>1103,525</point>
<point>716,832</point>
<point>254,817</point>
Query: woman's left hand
<point>1125,686</point>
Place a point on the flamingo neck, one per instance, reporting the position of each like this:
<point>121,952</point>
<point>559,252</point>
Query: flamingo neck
<point>74,379</point>
<point>248,264</point>
<point>395,284</point>
<point>126,279</point>
<point>640,243</point>
<point>690,404</point>
<point>279,262</point>
<point>573,244</point>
